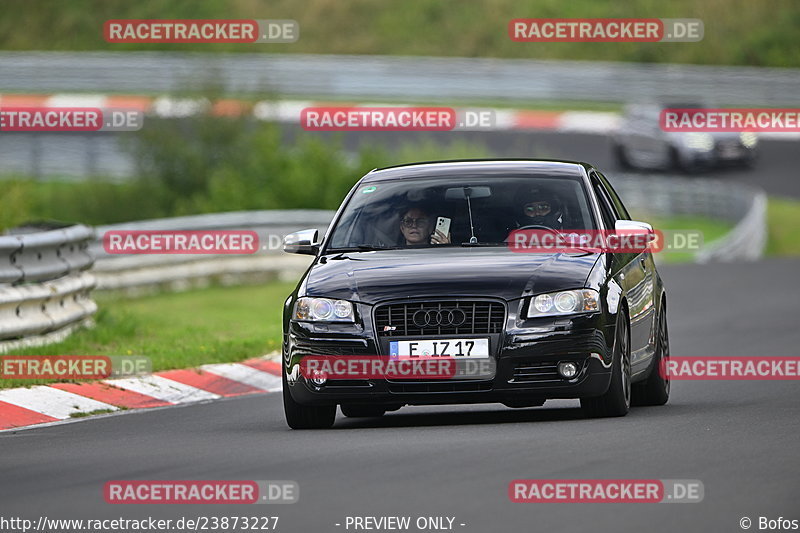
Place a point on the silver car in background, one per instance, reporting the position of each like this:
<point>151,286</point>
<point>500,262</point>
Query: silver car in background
<point>639,142</point>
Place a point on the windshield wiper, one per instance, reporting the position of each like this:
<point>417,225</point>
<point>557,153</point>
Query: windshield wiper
<point>573,249</point>
<point>478,244</point>
<point>364,248</point>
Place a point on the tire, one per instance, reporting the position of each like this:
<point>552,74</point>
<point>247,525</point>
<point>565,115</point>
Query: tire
<point>362,411</point>
<point>621,157</point>
<point>675,161</point>
<point>655,389</point>
<point>617,399</point>
<point>303,416</point>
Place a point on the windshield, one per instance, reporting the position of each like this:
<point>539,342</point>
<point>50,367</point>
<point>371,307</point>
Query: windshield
<point>457,211</point>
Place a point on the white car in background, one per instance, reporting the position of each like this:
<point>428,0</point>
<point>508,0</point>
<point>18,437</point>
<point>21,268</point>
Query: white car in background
<point>639,142</point>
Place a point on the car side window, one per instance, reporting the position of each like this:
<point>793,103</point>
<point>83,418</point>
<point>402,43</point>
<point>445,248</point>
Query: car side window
<point>622,213</point>
<point>606,208</point>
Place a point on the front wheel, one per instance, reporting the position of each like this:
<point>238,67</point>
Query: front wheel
<point>617,399</point>
<point>300,416</point>
<point>655,389</point>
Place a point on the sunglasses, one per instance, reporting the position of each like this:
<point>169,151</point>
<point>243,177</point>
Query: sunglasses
<point>538,207</point>
<point>409,222</point>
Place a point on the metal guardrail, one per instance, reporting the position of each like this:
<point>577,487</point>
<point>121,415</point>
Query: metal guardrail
<point>662,195</point>
<point>394,77</point>
<point>44,286</point>
<point>746,241</point>
<point>45,255</point>
<point>44,307</point>
<point>742,205</point>
<point>137,274</point>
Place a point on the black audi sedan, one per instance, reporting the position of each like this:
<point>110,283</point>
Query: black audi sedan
<point>418,264</point>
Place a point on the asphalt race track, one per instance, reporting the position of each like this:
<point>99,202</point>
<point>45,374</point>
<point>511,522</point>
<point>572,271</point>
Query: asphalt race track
<point>738,437</point>
<point>770,172</point>
<point>66,152</point>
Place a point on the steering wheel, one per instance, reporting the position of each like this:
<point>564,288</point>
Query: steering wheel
<point>534,226</point>
<point>539,226</point>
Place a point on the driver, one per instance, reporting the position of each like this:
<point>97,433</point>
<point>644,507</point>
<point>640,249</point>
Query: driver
<point>543,209</point>
<point>416,225</point>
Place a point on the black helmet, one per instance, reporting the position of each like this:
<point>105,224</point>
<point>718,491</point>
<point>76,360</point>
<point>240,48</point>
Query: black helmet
<point>544,209</point>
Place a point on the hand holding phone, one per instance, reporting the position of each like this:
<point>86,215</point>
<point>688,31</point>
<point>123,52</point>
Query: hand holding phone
<point>441,234</point>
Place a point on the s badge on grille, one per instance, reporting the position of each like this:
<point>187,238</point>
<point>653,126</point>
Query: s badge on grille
<point>389,328</point>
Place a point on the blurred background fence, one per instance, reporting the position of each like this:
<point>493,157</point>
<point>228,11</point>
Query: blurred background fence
<point>394,77</point>
<point>354,78</point>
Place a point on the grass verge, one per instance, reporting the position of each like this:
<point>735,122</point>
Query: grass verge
<point>180,330</point>
<point>783,222</point>
<point>711,230</point>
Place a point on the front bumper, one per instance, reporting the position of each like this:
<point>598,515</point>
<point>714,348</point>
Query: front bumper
<point>721,154</point>
<point>525,356</point>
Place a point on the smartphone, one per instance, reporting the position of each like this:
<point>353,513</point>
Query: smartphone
<point>443,225</point>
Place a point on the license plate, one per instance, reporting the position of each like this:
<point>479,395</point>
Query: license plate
<point>456,348</point>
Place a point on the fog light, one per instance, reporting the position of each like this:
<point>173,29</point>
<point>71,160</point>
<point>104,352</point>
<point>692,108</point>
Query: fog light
<point>319,378</point>
<point>568,370</point>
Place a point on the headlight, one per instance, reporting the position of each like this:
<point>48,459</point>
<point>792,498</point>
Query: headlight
<point>699,141</point>
<point>324,309</point>
<point>748,139</point>
<point>564,303</point>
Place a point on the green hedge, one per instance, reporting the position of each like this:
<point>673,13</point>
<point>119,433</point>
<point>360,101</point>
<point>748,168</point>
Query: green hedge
<point>206,164</point>
<point>737,32</point>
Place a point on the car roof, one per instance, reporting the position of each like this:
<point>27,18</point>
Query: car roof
<point>480,167</point>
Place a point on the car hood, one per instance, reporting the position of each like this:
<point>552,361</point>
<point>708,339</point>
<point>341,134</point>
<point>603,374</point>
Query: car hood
<point>371,277</point>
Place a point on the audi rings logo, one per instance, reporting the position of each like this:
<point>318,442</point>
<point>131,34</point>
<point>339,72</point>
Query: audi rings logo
<point>439,317</point>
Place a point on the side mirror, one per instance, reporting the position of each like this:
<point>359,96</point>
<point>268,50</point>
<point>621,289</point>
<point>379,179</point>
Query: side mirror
<point>302,242</point>
<point>635,230</point>
<point>633,226</point>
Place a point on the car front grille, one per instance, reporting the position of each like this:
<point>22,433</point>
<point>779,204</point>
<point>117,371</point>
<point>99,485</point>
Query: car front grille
<point>461,386</point>
<point>731,147</point>
<point>453,317</point>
